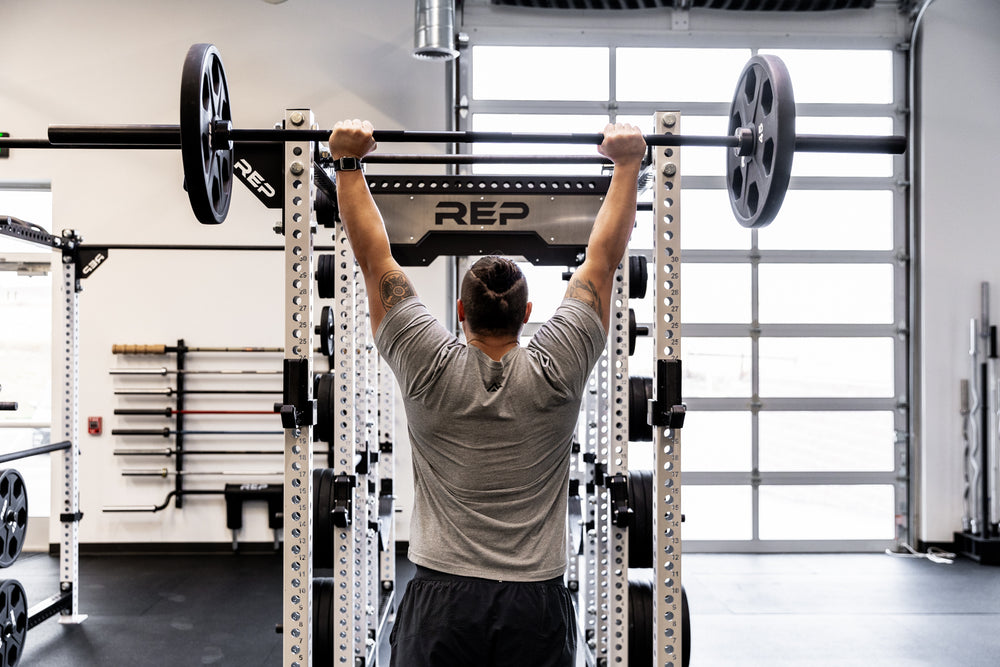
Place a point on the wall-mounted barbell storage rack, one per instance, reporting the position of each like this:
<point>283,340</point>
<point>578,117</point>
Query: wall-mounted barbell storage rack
<point>72,269</point>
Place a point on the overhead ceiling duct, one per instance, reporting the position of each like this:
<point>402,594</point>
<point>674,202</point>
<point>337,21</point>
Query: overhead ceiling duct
<point>434,30</point>
<point>745,5</point>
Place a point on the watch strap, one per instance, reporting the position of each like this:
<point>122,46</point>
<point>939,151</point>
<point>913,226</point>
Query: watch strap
<point>347,164</point>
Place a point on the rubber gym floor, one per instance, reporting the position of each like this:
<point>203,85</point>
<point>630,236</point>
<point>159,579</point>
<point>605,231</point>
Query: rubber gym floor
<point>747,610</point>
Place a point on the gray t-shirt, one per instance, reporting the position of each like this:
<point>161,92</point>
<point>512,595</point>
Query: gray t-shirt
<point>491,440</point>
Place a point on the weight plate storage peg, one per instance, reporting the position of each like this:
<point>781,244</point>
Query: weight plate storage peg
<point>325,331</point>
<point>634,330</point>
<point>13,515</point>
<point>764,103</point>
<point>208,162</point>
<point>13,621</point>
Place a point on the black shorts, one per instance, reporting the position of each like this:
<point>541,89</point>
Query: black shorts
<point>445,620</point>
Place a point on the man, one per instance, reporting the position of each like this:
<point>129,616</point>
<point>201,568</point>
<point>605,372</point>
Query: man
<point>490,426</point>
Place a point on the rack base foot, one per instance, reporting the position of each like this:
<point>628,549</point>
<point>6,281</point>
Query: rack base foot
<point>983,550</point>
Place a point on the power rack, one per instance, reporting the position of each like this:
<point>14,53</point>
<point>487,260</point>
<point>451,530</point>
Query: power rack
<point>75,265</point>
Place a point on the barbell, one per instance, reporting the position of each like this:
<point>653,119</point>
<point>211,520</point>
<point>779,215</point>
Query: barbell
<point>761,139</point>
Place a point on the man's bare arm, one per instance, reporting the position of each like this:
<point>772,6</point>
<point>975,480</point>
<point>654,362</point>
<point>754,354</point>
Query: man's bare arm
<point>385,280</point>
<point>591,283</point>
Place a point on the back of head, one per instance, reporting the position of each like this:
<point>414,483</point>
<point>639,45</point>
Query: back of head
<point>495,296</point>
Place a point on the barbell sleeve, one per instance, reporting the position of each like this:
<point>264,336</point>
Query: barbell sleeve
<point>836,143</point>
<point>121,135</point>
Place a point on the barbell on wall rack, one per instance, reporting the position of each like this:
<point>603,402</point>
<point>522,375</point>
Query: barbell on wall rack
<point>170,412</point>
<point>168,451</point>
<point>165,349</point>
<point>165,472</point>
<point>172,371</point>
<point>761,139</point>
<point>166,432</point>
<point>166,501</point>
<point>171,391</point>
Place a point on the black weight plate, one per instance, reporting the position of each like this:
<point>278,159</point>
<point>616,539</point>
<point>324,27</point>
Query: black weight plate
<point>13,622</point>
<point>640,618</point>
<point>640,534</point>
<point>326,267</point>
<point>208,170</point>
<point>326,331</point>
<point>13,515</point>
<point>641,587</point>
<point>640,391</point>
<point>325,410</point>
<point>323,602</point>
<point>765,103</point>
<point>322,517</point>
<point>327,213</point>
<point>638,277</point>
<point>685,629</point>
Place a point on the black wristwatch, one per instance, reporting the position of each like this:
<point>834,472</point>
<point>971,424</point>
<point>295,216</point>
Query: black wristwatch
<point>347,164</point>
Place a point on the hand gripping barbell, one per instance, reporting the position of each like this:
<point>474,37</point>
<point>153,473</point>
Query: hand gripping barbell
<point>762,139</point>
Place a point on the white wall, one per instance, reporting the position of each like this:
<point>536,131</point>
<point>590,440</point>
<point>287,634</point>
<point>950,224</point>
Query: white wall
<point>119,61</point>
<point>960,55</point>
<point>108,61</point>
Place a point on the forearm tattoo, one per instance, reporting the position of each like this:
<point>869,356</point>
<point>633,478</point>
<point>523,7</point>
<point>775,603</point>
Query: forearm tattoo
<point>394,286</point>
<point>586,292</point>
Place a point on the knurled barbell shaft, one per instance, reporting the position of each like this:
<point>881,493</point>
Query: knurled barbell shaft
<point>168,451</point>
<point>171,371</point>
<point>170,391</point>
<point>163,472</point>
<point>169,136</point>
<point>169,412</point>
<point>166,432</point>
